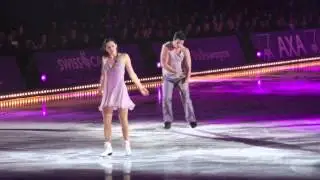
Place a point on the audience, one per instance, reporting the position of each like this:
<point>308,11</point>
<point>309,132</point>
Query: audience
<point>61,24</point>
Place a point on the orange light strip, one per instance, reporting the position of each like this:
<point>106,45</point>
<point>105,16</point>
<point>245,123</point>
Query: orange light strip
<point>261,71</point>
<point>20,102</point>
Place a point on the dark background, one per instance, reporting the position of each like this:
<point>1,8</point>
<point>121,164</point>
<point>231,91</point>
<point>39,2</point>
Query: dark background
<point>37,25</point>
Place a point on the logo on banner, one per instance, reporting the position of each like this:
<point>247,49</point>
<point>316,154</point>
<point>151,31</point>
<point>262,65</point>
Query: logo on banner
<point>78,62</point>
<point>314,46</point>
<point>215,52</point>
<point>287,45</point>
<point>199,54</point>
<point>291,46</point>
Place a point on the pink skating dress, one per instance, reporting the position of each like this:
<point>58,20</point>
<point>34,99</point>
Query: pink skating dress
<point>115,92</point>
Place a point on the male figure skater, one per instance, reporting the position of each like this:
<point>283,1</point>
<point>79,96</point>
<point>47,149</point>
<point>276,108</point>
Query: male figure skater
<point>176,71</point>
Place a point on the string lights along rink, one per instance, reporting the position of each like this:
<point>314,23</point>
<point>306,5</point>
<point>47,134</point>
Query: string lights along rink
<point>25,98</point>
<point>20,102</point>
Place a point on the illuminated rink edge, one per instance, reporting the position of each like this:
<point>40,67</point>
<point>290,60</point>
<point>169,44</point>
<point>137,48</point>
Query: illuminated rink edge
<point>28,98</point>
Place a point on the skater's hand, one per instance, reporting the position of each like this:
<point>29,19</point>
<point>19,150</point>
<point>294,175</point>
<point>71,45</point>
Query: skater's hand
<point>144,91</point>
<point>100,91</point>
<point>180,75</point>
<point>186,80</point>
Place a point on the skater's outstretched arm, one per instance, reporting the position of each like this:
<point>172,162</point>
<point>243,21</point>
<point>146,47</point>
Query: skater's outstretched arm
<point>134,76</point>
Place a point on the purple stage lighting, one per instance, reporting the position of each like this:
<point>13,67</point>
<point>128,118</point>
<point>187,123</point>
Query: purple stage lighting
<point>43,77</point>
<point>259,54</point>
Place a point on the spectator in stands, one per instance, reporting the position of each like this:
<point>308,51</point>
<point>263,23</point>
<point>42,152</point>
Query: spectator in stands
<point>2,43</point>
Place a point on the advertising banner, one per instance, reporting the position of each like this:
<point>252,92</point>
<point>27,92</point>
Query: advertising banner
<point>77,67</point>
<point>287,45</point>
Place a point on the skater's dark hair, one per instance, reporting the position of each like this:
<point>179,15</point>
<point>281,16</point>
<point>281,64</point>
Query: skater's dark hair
<point>104,44</point>
<point>179,35</point>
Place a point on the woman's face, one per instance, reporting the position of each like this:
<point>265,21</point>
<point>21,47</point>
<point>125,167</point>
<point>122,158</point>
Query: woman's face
<point>177,43</point>
<point>111,48</point>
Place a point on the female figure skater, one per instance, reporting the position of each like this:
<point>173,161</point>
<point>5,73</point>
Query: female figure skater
<point>115,93</point>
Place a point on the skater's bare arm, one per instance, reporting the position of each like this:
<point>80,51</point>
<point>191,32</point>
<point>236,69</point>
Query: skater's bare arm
<point>188,62</point>
<point>164,59</point>
<point>133,76</point>
<point>102,76</point>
